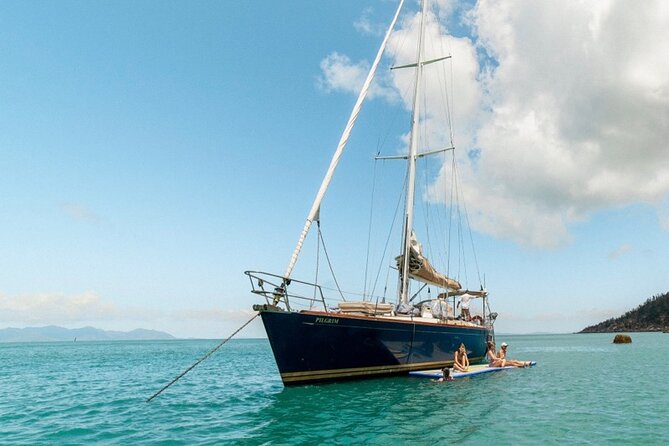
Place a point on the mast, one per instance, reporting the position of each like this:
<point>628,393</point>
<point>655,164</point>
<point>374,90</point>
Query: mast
<point>411,161</point>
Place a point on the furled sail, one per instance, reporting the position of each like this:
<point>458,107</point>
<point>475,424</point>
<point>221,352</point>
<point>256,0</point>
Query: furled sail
<point>479,293</point>
<point>421,270</point>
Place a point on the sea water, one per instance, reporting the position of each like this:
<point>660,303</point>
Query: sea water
<point>584,390</point>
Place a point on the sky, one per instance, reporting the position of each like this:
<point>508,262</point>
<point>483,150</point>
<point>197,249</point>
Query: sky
<point>152,151</point>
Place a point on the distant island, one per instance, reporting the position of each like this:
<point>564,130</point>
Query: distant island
<point>652,315</point>
<point>53,333</point>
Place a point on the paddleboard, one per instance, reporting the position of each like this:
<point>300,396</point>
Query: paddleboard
<point>473,370</point>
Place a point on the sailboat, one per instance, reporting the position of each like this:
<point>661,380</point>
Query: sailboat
<point>373,337</point>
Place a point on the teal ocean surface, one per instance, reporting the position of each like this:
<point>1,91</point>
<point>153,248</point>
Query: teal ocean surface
<point>584,390</point>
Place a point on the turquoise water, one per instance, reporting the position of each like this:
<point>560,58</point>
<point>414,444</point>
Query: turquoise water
<point>585,390</point>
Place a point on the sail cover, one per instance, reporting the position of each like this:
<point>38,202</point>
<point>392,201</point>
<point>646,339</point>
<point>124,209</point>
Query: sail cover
<point>421,270</point>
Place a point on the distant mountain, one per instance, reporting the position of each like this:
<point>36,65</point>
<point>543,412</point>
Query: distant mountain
<point>55,333</point>
<point>652,315</point>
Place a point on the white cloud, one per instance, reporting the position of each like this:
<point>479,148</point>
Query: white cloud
<point>57,308</point>
<point>579,112</point>
<point>339,73</point>
<point>90,309</point>
<point>459,101</point>
<point>365,25</point>
<point>620,251</point>
<point>567,105</point>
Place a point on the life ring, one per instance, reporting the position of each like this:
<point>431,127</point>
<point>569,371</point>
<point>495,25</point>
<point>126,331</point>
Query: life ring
<point>478,320</point>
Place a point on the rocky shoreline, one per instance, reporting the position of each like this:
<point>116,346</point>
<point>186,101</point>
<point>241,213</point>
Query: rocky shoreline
<point>619,328</point>
<point>652,315</point>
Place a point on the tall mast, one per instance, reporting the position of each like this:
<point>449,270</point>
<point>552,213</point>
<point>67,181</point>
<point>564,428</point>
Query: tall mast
<point>411,161</point>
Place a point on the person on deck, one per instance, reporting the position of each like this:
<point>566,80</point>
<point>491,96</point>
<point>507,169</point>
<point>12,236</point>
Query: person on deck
<point>512,362</point>
<point>461,361</point>
<point>464,306</point>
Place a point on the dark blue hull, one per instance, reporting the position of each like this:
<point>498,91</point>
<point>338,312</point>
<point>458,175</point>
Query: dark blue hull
<point>317,346</point>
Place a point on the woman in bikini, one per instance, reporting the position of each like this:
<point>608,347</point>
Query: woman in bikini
<point>461,361</point>
<point>493,360</point>
<point>512,362</point>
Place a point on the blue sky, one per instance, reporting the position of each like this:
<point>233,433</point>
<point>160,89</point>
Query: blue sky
<point>152,151</point>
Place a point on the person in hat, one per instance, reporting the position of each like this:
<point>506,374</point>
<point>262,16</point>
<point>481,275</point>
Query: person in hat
<point>512,362</point>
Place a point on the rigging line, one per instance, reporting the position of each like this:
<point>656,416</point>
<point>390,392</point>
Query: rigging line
<point>425,205</point>
<point>444,91</point>
<point>439,218</point>
<point>390,232</point>
<point>439,49</point>
<point>428,202</point>
<point>450,214</point>
<point>430,226</point>
<point>211,352</point>
<point>433,224</point>
<point>461,260</point>
<point>347,293</point>
<point>418,292</point>
<point>369,232</point>
<point>446,103</point>
<point>423,164</point>
<point>318,262</point>
<point>325,251</point>
<point>461,232</point>
<point>439,221</point>
<point>442,214</point>
<point>446,111</point>
<point>307,298</point>
<point>471,239</point>
<point>459,226</point>
<point>385,288</point>
<point>450,109</point>
<point>352,293</point>
<point>394,119</point>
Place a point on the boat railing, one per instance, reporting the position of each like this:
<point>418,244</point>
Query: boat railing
<point>298,295</point>
<point>291,292</point>
<point>490,319</point>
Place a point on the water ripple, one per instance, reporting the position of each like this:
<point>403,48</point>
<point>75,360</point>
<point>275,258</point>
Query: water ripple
<point>584,390</point>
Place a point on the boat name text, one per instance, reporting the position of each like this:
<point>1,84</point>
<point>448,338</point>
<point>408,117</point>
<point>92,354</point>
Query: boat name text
<point>327,320</point>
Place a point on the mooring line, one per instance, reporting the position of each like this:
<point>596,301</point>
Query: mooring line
<point>202,359</point>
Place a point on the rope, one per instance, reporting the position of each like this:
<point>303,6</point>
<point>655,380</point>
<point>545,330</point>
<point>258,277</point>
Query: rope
<point>201,359</point>
<point>369,232</point>
<point>327,257</point>
<point>318,264</point>
<point>385,248</point>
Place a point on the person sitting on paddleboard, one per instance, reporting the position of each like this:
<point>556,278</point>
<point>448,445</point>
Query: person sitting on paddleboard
<point>493,360</point>
<point>461,361</point>
<point>512,362</point>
